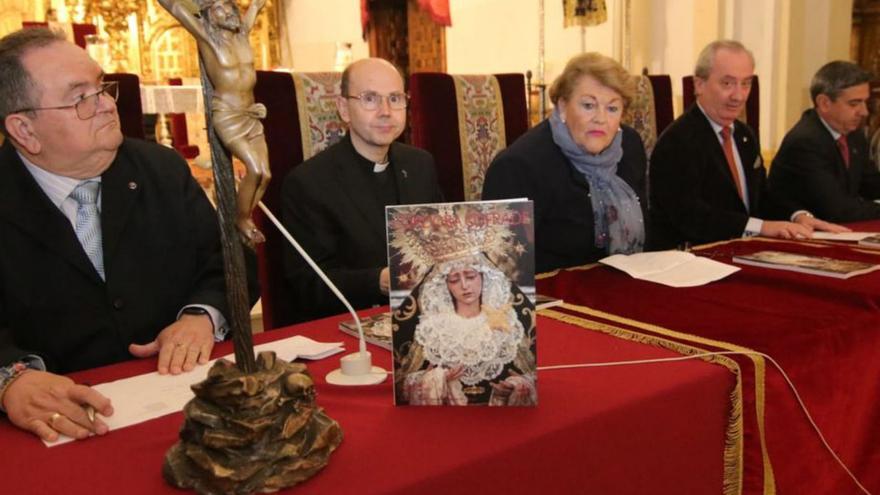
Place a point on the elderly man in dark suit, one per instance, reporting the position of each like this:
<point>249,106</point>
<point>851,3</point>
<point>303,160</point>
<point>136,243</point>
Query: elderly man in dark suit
<point>110,248</point>
<point>823,163</point>
<point>334,203</point>
<point>706,175</point>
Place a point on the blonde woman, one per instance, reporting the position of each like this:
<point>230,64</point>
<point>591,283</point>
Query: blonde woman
<point>584,170</point>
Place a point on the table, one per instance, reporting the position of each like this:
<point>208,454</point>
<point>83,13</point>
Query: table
<point>654,428</point>
<point>824,332</point>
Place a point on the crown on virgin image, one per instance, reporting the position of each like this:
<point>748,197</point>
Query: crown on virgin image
<point>425,236</point>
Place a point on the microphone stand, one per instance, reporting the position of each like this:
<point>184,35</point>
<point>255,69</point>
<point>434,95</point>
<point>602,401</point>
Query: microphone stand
<point>355,368</point>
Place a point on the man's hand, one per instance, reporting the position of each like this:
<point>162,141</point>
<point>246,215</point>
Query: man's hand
<point>816,224</point>
<point>47,404</point>
<point>786,230</point>
<point>180,345</point>
<point>385,281</point>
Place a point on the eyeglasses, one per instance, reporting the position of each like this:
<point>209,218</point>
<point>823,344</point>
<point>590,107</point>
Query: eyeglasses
<point>370,100</point>
<point>87,105</point>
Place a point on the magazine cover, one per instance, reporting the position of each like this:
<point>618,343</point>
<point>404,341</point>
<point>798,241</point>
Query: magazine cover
<point>377,329</point>
<point>816,265</point>
<point>463,329</point>
<point>872,242</point>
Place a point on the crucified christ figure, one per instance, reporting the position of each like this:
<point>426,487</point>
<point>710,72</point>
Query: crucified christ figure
<point>222,37</point>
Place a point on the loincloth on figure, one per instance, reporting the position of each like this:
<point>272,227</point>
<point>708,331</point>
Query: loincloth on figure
<point>233,123</point>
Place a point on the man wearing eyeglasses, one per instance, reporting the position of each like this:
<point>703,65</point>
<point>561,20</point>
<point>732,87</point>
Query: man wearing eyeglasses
<point>110,248</point>
<point>334,203</point>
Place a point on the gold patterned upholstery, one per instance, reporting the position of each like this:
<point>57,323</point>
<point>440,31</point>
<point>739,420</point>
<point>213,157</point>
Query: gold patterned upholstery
<point>480,128</point>
<point>319,122</point>
<point>641,114</point>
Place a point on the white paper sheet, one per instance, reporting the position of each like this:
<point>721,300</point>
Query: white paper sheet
<point>145,397</point>
<point>670,268</point>
<point>843,236</point>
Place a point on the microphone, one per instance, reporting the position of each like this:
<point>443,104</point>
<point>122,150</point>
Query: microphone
<point>355,368</point>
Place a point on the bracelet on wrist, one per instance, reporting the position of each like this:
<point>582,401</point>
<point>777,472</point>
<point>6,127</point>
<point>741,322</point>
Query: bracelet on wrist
<point>8,375</point>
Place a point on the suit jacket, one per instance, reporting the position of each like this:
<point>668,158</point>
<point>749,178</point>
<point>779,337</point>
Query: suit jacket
<point>535,167</point>
<point>809,170</point>
<point>161,252</point>
<point>693,196</point>
<point>331,207</point>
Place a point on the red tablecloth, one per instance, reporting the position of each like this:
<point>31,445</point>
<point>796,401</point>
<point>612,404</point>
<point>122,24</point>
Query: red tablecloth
<point>654,428</point>
<point>824,332</point>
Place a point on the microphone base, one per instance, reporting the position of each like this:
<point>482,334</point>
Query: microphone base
<point>375,376</point>
<point>356,369</point>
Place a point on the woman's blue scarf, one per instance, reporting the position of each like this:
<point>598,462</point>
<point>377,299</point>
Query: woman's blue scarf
<point>617,216</point>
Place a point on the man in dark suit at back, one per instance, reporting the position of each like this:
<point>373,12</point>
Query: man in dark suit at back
<point>334,203</point>
<point>706,175</point>
<point>110,248</point>
<point>823,163</point>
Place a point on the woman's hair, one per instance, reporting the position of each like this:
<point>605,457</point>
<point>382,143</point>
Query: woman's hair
<point>603,69</point>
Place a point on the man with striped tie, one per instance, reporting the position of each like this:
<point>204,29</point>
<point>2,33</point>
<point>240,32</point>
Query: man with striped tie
<point>110,249</point>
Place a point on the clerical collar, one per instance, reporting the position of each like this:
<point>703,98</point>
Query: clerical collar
<point>375,167</point>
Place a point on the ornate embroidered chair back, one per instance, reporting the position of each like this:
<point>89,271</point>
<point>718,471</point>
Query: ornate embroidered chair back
<point>651,110</point>
<point>641,115</point>
<point>480,128</point>
<point>320,125</point>
<point>464,121</point>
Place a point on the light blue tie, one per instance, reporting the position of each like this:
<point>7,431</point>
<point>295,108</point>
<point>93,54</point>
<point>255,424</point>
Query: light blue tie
<point>88,222</point>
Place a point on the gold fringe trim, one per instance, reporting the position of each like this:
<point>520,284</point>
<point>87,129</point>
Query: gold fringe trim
<point>757,362</point>
<point>733,443</point>
<point>542,276</point>
<point>733,438</point>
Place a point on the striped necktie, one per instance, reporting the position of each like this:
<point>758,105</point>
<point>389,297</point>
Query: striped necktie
<point>88,222</point>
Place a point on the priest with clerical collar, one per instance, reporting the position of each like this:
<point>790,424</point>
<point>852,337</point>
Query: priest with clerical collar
<point>334,203</point>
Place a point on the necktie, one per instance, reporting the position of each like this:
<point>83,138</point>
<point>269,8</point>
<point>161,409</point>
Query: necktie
<point>844,149</point>
<point>731,161</point>
<point>88,222</point>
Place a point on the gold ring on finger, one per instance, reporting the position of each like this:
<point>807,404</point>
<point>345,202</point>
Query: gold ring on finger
<point>53,418</point>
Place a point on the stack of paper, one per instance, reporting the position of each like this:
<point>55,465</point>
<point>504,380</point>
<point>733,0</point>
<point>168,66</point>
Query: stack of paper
<point>145,397</point>
<point>672,268</point>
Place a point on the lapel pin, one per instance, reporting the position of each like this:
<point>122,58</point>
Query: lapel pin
<point>132,185</point>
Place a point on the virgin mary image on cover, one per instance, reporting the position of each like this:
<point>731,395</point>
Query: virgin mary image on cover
<point>465,334</point>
